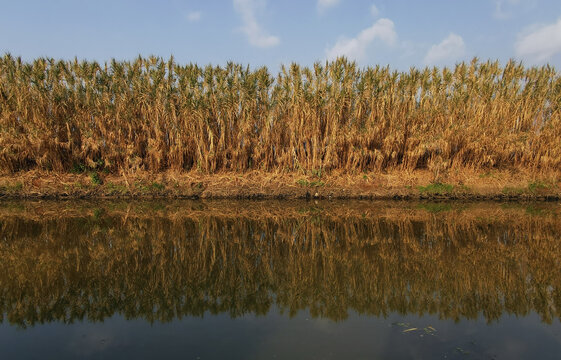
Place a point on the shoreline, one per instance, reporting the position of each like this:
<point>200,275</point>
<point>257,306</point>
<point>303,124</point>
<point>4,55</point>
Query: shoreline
<point>504,185</point>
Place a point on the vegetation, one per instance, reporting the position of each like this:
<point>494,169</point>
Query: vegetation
<point>306,183</point>
<point>12,188</point>
<point>436,189</point>
<point>155,115</point>
<point>96,180</point>
<point>534,187</point>
<point>162,260</point>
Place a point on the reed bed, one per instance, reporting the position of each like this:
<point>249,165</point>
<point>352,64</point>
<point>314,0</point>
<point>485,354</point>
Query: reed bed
<point>154,115</point>
<point>163,263</point>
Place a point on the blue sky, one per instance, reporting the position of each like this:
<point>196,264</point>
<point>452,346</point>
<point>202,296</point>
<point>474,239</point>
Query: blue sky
<point>271,32</point>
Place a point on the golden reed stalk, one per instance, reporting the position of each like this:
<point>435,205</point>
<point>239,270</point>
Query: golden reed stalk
<point>155,115</point>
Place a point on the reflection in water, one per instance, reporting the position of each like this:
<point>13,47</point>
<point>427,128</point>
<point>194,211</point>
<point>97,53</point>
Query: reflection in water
<point>160,261</point>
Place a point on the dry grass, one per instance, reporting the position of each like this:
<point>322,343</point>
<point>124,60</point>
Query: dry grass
<point>154,115</point>
<point>466,184</point>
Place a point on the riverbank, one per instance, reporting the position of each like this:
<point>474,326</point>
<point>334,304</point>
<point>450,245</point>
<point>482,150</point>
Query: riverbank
<point>464,185</point>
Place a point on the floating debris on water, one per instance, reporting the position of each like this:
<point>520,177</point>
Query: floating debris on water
<point>408,330</point>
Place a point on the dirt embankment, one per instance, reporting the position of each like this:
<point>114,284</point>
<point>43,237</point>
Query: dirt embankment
<point>503,185</point>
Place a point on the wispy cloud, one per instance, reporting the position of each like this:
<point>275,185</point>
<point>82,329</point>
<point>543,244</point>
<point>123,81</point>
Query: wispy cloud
<point>194,16</point>
<point>355,48</point>
<point>503,8</point>
<point>256,35</point>
<point>374,10</point>
<point>540,42</point>
<point>323,5</point>
<point>449,49</point>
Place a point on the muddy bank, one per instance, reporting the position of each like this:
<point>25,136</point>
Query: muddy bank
<point>464,185</point>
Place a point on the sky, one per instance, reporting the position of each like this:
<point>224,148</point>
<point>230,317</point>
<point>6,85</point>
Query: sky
<point>398,33</point>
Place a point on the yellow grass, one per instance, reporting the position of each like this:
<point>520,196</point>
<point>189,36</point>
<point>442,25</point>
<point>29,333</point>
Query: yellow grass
<point>155,115</point>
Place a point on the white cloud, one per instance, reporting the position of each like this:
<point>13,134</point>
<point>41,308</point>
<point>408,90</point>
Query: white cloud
<point>355,48</point>
<point>540,43</point>
<point>256,35</point>
<point>194,16</point>
<point>374,10</point>
<point>503,8</point>
<point>449,49</point>
<point>326,4</point>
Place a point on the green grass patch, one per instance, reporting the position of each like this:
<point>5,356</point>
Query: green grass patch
<point>156,186</point>
<point>436,189</point>
<point>533,188</point>
<point>537,185</point>
<point>78,168</point>
<point>95,179</point>
<point>306,183</point>
<point>149,188</point>
<point>12,188</point>
<point>98,213</point>
<point>114,189</point>
<point>317,172</point>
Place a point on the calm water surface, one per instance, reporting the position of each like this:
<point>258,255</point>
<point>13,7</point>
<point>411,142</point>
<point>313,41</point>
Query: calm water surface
<point>280,280</point>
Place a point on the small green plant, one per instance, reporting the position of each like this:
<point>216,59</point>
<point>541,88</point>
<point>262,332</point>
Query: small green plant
<point>533,188</point>
<point>537,185</point>
<point>99,164</point>
<point>317,172</point>
<point>78,168</point>
<point>306,183</point>
<point>98,213</point>
<point>436,189</point>
<point>12,188</point>
<point>95,179</point>
<point>113,188</point>
<point>156,186</point>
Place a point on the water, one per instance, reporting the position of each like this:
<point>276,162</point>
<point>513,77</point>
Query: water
<point>280,280</point>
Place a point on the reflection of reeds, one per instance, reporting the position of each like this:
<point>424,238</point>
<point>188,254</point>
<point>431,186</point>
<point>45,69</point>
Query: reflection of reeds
<point>155,115</point>
<point>186,259</point>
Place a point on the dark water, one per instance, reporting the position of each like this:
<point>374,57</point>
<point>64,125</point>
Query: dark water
<point>280,280</point>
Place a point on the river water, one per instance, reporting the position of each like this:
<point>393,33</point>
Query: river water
<point>280,280</point>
